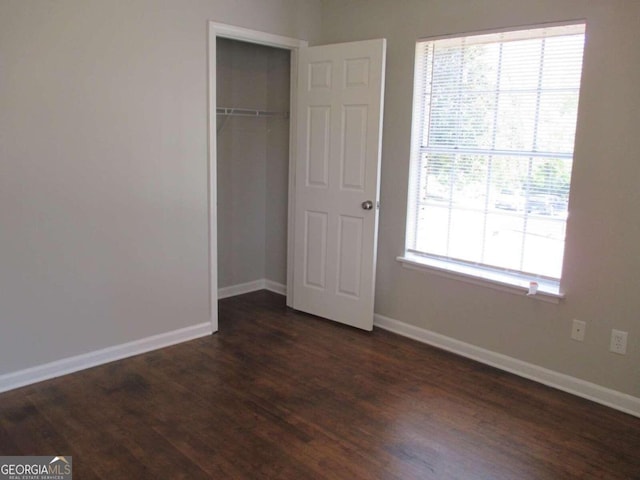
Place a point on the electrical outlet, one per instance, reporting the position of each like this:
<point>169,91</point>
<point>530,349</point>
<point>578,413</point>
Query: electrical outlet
<point>578,329</point>
<point>618,342</point>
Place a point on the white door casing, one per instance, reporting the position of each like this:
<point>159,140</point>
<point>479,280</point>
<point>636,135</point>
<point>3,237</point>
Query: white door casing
<point>339,112</point>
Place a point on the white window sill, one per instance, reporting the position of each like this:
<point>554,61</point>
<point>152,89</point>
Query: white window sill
<point>548,290</point>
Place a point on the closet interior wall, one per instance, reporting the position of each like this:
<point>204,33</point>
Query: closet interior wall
<point>252,163</point>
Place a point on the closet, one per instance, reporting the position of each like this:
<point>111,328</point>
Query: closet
<point>252,128</point>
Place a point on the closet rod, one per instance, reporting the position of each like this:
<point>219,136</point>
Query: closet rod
<point>246,112</point>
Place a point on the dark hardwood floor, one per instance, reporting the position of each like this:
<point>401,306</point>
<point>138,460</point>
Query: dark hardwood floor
<point>279,394</point>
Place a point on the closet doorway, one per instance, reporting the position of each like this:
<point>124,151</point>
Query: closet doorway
<point>251,124</point>
<point>252,131</point>
<point>334,117</point>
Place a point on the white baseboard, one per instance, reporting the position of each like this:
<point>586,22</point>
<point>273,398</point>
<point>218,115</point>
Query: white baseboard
<point>275,287</point>
<point>591,391</point>
<point>21,378</point>
<point>65,366</point>
<point>242,288</point>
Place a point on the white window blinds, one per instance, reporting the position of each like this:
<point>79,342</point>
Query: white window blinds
<point>493,133</point>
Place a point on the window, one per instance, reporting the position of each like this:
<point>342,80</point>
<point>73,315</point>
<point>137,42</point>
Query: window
<point>494,123</point>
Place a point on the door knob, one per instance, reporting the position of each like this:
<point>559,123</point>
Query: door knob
<point>367,205</point>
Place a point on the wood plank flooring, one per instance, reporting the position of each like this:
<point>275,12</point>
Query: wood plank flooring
<point>280,394</point>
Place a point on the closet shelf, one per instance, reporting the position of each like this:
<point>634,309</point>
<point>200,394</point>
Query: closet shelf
<point>247,112</point>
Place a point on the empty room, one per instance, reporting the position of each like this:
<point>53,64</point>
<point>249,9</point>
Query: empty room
<point>342,239</point>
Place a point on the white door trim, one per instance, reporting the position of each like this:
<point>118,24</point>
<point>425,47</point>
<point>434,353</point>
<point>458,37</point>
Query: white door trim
<point>260,38</point>
<point>254,36</point>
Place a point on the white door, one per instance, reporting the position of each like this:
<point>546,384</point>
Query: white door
<point>339,110</point>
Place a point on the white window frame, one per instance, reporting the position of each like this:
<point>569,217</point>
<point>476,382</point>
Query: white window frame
<point>545,289</point>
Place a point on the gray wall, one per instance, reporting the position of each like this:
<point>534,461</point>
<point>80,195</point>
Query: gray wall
<point>103,167</point>
<point>253,159</point>
<point>602,261</point>
<point>277,191</point>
